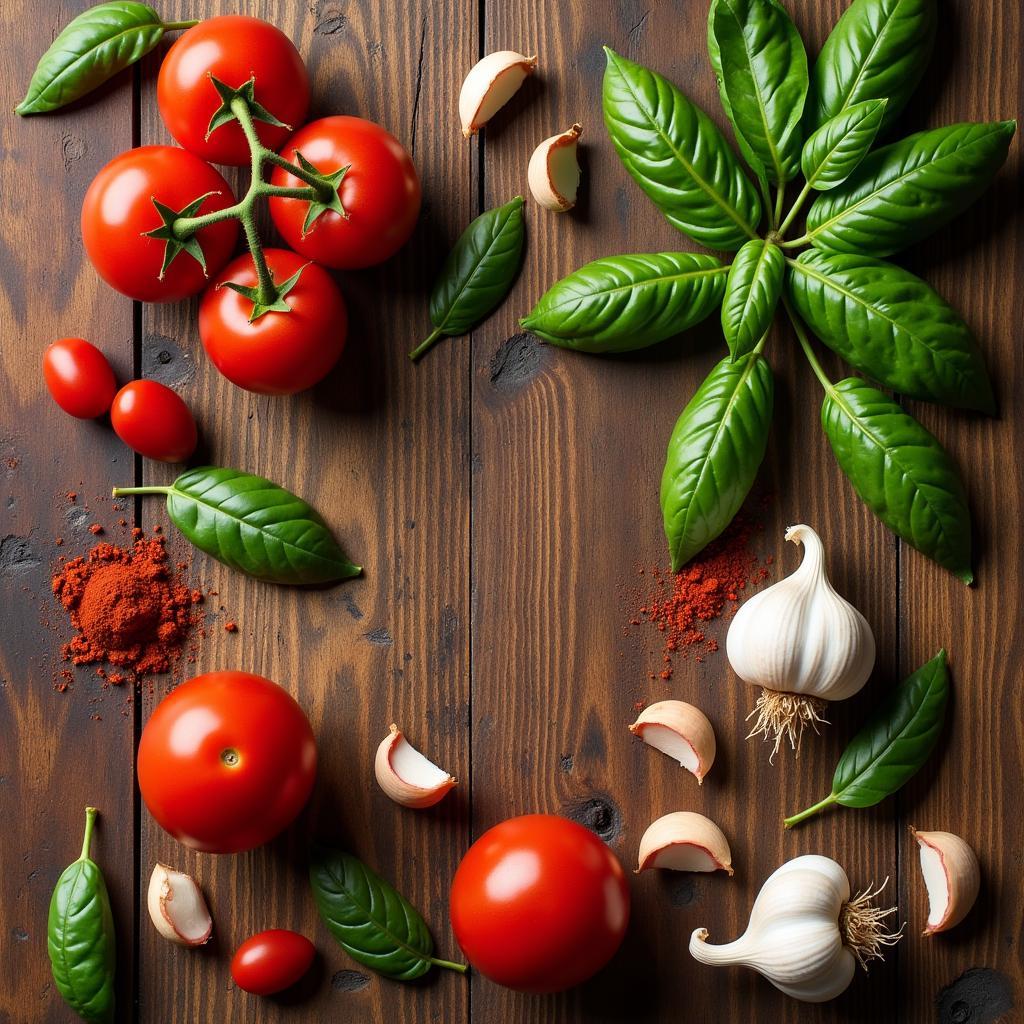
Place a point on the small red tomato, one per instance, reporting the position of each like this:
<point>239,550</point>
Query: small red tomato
<point>119,210</point>
<point>79,377</point>
<point>232,48</point>
<point>380,192</point>
<point>154,421</point>
<point>272,961</point>
<point>279,353</point>
<point>539,903</point>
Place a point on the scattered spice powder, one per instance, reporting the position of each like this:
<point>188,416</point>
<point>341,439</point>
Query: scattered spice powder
<point>95,529</point>
<point>231,627</point>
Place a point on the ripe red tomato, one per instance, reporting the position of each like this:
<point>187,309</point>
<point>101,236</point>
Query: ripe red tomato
<point>118,211</point>
<point>272,961</point>
<point>539,903</point>
<point>154,421</point>
<point>232,48</point>
<point>79,377</point>
<point>380,193</point>
<point>280,353</point>
<point>226,761</point>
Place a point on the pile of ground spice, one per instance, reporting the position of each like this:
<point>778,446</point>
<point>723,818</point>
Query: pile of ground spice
<point>709,587</point>
<point>128,607</point>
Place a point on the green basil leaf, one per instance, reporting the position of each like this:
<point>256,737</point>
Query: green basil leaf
<point>764,70</point>
<point>251,524</point>
<point>92,48</point>
<point>893,744</point>
<point>80,937</point>
<point>901,472</point>
<point>903,192</point>
<point>477,274</point>
<point>890,325</point>
<point>623,303</point>
<point>375,924</point>
<point>878,50</point>
<point>674,152</point>
<point>751,295</point>
<point>714,454</point>
<point>833,152</point>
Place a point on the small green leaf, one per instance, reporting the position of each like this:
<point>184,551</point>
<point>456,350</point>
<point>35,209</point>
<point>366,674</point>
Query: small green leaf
<point>173,245</point>
<point>317,207</point>
<point>751,295</point>
<point>247,92</point>
<point>833,152</point>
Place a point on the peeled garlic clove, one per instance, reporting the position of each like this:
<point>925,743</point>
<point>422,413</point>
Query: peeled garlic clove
<point>952,875</point>
<point>177,907</point>
<point>490,84</point>
<point>684,841</point>
<point>406,775</point>
<point>681,731</point>
<point>554,172</point>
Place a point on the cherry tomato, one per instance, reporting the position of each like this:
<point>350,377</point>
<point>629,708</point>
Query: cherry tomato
<point>539,903</point>
<point>380,193</point>
<point>226,761</point>
<point>279,353</point>
<point>272,961</point>
<point>232,48</point>
<point>154,421</point>
<point>118,211</point>
<point>79,377</point>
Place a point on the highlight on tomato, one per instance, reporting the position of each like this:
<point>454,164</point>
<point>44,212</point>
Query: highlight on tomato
<point>79,378</point>
<point>126,218</point>
<point>226,762</point>
<point>212,63</point>
<point>154,421</point>
<point>377,200</point>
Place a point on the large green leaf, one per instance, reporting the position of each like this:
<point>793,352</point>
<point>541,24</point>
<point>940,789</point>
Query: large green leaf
<point>621,303</point>
<point>903,192</point>
<point>714,453</point>
<point>678,157</point>
<point>833,152</point>
<point>751,295</point>
<point>890,325</point>
<point>878,50</point>
<point>900,471</point>
<point>764,71</point>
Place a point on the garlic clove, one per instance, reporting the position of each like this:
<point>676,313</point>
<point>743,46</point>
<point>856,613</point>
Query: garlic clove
<point>490,84</point>
<point>684,841</point>
<point>952,876</point>
<point>176,905</point>
<point>406,775</point>
<point>554,172</point>
<point>681,731</point>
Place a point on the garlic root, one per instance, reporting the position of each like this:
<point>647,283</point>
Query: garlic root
<point>784,716</point>
<point>684,841</point>
<point>177,907</point>
<point>490,84</point>
<point>952,876</point>
<point>681,731</point>
<point>554,171</point>
<point>406,776</point>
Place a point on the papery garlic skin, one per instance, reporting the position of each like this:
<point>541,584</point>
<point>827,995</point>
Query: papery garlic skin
<point>799,636</point>
<point>406,775</point>
<point>177,907</point>
<point>554,172</point>
<point>490,84</point>
<point>952,875</point>
<point>681,731</point>
<point>684,841</point>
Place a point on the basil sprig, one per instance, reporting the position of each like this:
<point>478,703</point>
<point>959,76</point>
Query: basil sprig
<point>893,744</point>
<point>884,321</point>
<point>92,48</point>
<point>373,922</point>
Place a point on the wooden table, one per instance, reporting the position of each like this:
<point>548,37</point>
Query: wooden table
<point>500,495</point>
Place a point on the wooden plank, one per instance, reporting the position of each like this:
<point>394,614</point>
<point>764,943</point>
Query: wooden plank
<point>58,751</point>
<point>386,460</point>
<point>569,451</point>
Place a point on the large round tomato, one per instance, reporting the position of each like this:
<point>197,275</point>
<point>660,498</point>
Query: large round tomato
<point>233,49</point>
<point>154,421</point>
<point>79,377</point>
<point>279,353</point>
<point>380,192</point>
<point>118,211</point>
<point>271,961</point>
<point>539,903</point>
<point>226,761</point>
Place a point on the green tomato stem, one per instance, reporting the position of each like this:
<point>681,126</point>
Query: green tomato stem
<point>90,821</point>
<point>805,344</point>
<point>795,209</point>
<point>809,812</point>
<point>173,26</point>
<point>426,344</point>
<point>313,180</point>
<point>449,965</point>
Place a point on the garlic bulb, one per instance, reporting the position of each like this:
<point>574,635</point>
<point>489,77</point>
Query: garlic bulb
<point>802,644</point>
<point>805,934</point>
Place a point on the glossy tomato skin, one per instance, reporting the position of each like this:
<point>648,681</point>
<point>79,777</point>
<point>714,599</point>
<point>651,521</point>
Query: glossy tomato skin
<point>539,903</point>
<point>280,353</point>
<point>272,961</point>
<point>118,209</point>
<point>380,193</point>
<point>79,378</point>
<point>232,48</point>
<point>226,761</point>
<point>154,421</point>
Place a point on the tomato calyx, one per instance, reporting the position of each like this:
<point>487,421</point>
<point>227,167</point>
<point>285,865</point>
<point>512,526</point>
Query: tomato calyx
<point>227,111</point>
<point>267,302</point>
<point>319,206</point>
<point>174,244</point>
